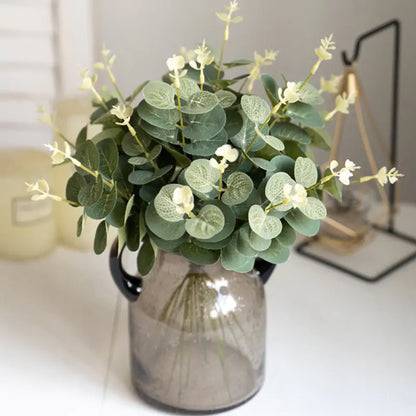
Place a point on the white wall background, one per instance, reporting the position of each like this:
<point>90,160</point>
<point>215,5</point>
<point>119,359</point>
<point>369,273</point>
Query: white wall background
<point>144,33</point>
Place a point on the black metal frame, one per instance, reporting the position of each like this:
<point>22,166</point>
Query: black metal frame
<point>393,159</point>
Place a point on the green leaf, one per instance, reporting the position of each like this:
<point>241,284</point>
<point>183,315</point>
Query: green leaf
<point>166,135</point>
<point>314,209</point>
<point>265,225</point>
<point>319,138</point>
<point>207,147</point>
<point>138,161</point>
<point>170,246</point>
<point>136,92</point>
<point>122,238</point>
<point>108,152</point>
<point>104,205</point>
<point>271,87</point>
<point>262,163</point>
<point>121,174</point>
<point>130,146</point>
<point>310,95</point>
<point>164,119</point>
<point>209,222</point>
<point>241,210</point>
<point>305,172</point>
<point>239,187</point>
<point>164,205</point>
<point>129,207</point>
<point>88,156</point>
<point>201,176</point>
<point>237,62</point>
<point>73,187</point>
<point>246,134</point>
<point>182,160</point>
<point>200,103</point>
<point>225,83</point>
<point>294,150</point>
<point>82,136</point>
<point>276,253</point>
<point>199,255</point>
<point>258,243</point>
<point>204,126</point>
<point>256,109</point>
<point>226,98</point>
<point>162,228</point>
<point>330,186</point>
<point>289,131</point>
<point>160,95</point>
<point>142,177</point>
<point>100,240</point>
<point>145,257</point>
<point>284,163</point>
<point>288,236</point>
<point>187,87</point>
<point>80,225</point>
<point>305,114</point>
<point>115,133</point>
<point>274,187</point>
<point>234,122</point>
<point>232,259</point>
<point>301,223</point>
<point>243,244</point>
<point>91,191</point>
<point>133,232</point>
<point>116,216</point>
<point>213,245</point>
<point>273,142</point>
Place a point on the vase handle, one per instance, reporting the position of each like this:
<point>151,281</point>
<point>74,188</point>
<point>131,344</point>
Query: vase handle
<point>130,286</point>
<point>264,268</point>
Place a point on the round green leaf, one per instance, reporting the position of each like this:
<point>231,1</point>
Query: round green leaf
<point>204,126</point>
<point>226,98</point>
<point>206,147</point>
<point>142,177</point>
<point>265,225</point>
<point>138,161</point>
<point>288,236</point>
<point>314,209</point>
<point>164,205</point>
<point>104,205</point>
<point>199,255</point>
<point>258,243</point>
<point>273,142</point>
<point>262,163</point>
<point>246,133</point>
<point>73,186</point>
<point>116,216</point>
<point>305,172</point>
<point>89,157</point>
<point>91,191</point>
<point>256,108</point>
<point>276,253</point>
<point>108,152</point>
<point>145,257</point>
<point>243,243</point>
<point>166,135</point>
<point>310,95</point>
<point>201,176</point>
<point>164,119</point>
<point>162,228</point>
<point>274,187</point>
<point>289,131</point>
<point>187,87</point>
<point>241,210</point>
<point>213,246</point>
<point>160,95</point>
<point>170,246</point>
<point>200,103</point>
<point>239,187</point>
<point>209,222</point>
<point>305,114</point>
<point>232,259</point>
<point>301,223</point>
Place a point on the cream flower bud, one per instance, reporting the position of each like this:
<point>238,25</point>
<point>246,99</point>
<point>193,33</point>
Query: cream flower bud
<point>42,187</point>
<point>87,81</point>
<point>227,152</point>
<point>183,199</point>
<point>345,173</point>
<point>123,113</point>
<point>322,52</point>
<point>99,66</point>
<point>221,166</point>
<point>175,63</point>
<point>330,85</point>
<point>297,195</point>
<point>291,93</point>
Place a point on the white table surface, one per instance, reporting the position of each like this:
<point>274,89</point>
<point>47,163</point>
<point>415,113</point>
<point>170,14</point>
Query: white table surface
<point>335,345</point>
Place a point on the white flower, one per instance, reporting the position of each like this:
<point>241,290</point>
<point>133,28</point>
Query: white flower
<point>259,61</point>
<point>345,173</point>
<point>183,199</point>
<point>175,64</point>
<point>330,85</point>
<point>327,44</point>
<point>227,152</point>
<point>391,176</point>
<point>296,195</point>
<point>204,57</point>
<point>227,17</point>
<point>44,117</point>
<point>291,93</point>
<point>123,113</point>
<point>87,81</point>
<point>58,156</point>
<point>342,103</point>
<point>42,187</point>
<point>221,166</point>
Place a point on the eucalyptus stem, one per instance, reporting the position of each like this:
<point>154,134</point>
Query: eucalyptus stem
<point>142,146</point>
<point>180,115</point>
<point>222,54</point>
<point>99,98</point>
<point>243,85</point>
<point>113,81</point>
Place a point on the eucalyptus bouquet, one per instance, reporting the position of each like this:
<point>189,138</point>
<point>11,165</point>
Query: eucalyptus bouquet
<point>200,166</point>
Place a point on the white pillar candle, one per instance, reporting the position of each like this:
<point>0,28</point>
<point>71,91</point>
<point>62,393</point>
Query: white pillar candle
<point>27,228</point>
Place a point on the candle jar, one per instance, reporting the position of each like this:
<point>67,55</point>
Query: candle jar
<point>27,228</point>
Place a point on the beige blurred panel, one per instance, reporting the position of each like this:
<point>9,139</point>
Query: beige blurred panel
<point>24,136</point>
<point>27,228</point>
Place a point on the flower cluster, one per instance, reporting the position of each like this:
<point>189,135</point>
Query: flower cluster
<point>228,154</point>
<point>345,173</point>
<point>176,64</point>
<point>255,68</point>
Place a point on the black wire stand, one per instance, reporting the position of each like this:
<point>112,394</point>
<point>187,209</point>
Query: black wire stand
<point>390,229</point>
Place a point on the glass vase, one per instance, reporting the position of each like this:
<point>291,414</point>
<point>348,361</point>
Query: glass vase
<point>197,335</point>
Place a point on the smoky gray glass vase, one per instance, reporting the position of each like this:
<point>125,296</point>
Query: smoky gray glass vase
<point>197,336</point>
